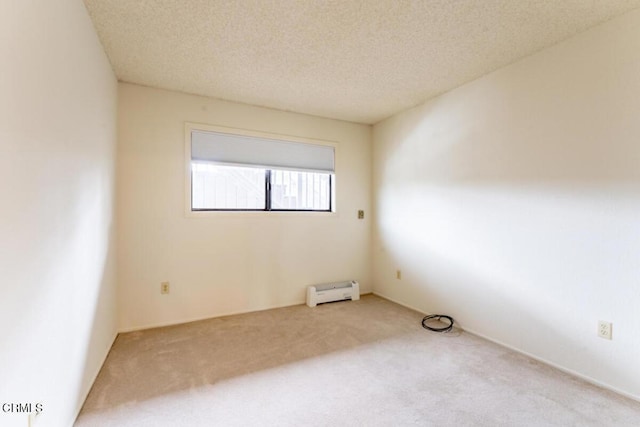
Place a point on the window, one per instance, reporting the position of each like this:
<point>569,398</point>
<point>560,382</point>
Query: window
<point>300,191</point>
<point>227,187</point>
<point>235,172</point>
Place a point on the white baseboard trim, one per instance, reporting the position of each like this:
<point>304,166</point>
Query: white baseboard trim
<point>214,316</point>
<point>399,302</point>
<point>207,317</point>
<point>95,375</point>
<point>564,369</point>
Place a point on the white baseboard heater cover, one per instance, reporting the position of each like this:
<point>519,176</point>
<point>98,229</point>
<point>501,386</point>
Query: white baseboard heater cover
<point>331,292</point>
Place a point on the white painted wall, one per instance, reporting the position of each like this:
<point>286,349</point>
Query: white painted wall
<point>227,262</point>
<point>513,203</point>
<point>57,179</point>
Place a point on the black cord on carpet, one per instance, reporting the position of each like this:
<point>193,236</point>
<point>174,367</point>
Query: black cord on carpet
<point>438,317</point>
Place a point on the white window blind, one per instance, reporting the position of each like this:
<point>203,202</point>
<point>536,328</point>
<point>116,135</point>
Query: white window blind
<point>233,149</point>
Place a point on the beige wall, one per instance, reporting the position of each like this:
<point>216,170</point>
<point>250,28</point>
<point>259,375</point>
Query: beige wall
<point>57,173</point>
<point>513,203</point>
<point>228,262</point>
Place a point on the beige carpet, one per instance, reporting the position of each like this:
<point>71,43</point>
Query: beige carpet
<point>361,363</point>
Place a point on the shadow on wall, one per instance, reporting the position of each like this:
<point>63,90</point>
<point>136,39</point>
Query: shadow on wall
<point>513,204</point>
<point>104,319</point>
<point>539,300</point>
<point>491,134</point>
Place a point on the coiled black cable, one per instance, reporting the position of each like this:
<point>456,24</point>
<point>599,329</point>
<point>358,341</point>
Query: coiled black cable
<point>438,317</point>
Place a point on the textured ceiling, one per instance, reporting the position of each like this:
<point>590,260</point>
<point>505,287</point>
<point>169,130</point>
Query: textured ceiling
<point>356,60</point>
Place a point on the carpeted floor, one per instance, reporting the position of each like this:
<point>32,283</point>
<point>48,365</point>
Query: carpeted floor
<point>361,363</point>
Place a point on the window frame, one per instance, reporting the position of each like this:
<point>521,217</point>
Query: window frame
<point>190,212</point>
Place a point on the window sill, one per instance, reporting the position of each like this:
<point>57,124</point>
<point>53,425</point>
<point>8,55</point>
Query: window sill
<point>261,214</point>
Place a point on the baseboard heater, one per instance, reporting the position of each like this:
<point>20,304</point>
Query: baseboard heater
<point>331,292</point>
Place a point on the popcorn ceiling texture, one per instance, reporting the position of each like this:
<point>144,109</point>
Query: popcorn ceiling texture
<point>359,61</point>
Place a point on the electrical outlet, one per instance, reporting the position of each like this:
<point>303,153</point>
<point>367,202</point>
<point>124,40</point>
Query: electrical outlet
<point>164,288</point>
<point>361,214</point>
<point>398,274</point>
<point>604,329</point>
